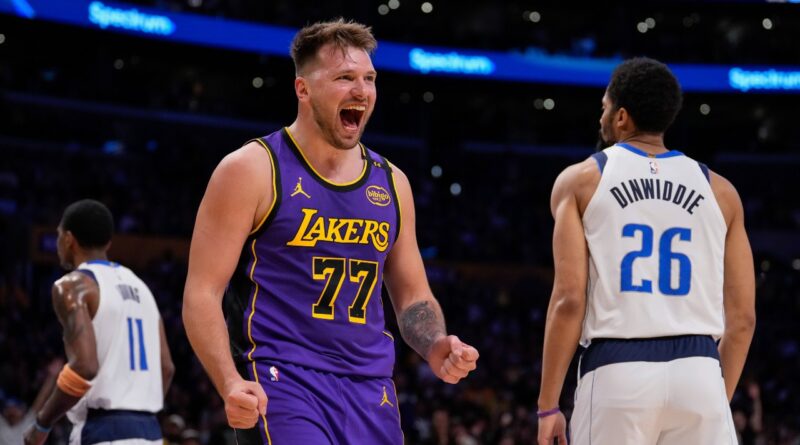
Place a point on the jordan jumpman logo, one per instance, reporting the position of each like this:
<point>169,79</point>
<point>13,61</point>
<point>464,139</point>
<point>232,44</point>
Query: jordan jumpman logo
<point>385,400</point>
<point>298,189</point>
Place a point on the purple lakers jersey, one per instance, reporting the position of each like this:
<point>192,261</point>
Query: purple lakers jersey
<point>308,287</point>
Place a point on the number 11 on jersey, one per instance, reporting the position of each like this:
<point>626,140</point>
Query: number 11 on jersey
<point>135,324</point>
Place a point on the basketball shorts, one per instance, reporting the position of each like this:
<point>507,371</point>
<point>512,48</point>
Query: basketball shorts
<point>661,391</point>
<point>117,427</point>
<point>306,406</point>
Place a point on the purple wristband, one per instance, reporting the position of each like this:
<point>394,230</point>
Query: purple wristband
<point>549,412</point>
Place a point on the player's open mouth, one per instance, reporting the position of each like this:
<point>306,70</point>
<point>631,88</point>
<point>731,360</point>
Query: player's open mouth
<point>351,116</point>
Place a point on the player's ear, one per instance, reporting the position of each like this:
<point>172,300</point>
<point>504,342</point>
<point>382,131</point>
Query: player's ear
<point>622,119</point>
<point>69,240</point>
<point>301,88</point>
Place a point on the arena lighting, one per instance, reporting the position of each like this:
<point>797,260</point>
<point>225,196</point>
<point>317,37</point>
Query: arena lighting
<point>770,79</point>
<point>451,62</point>
<point>534,65</point>
<point>21,8</point>
<point>130,19</point>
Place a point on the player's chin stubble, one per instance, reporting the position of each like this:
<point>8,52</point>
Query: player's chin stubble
<point>602,143</point>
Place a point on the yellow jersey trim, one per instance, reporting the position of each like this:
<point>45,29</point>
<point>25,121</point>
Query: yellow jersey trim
<point>336,184</point>
<point>263,416</point>
<point>253,302</point>
<point>250,328</point>
<point>274,189</point>
<point>397,407</point>
<point>399,202</point>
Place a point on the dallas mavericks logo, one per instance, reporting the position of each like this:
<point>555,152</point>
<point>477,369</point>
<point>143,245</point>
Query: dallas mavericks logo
<point>274,375</point>
<point>653,167</point>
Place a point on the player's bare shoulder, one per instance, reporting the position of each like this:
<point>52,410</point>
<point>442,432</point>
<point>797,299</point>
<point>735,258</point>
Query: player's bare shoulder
<point>74,290</point>
<point>726,195</point>
<point>579,180</point>
<point>243,180</point>
<point>250,159</point>
<point>398,175</point>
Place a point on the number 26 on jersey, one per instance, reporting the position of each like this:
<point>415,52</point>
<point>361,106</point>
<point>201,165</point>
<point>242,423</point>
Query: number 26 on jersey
<point>666,257</point>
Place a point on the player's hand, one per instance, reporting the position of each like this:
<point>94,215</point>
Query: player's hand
<point>245,401</point>
<point>553,430</point>
<point>451,360</point>
<point>34,436</point>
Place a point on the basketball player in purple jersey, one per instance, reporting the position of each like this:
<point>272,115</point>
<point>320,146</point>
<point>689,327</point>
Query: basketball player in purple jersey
<point>298,230</point>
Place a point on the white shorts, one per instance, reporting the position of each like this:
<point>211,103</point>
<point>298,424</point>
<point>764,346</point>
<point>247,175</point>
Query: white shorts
<point>680,401</point>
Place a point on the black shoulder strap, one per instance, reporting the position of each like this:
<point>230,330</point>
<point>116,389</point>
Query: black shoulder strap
<point>387,167</point>
<point>277,189</point>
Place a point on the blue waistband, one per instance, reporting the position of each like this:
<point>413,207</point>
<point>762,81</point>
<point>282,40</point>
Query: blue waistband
<point>607,351</point>
<point>110,425</point>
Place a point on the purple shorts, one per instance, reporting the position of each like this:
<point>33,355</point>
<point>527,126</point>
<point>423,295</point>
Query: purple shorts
<point>306,406</point>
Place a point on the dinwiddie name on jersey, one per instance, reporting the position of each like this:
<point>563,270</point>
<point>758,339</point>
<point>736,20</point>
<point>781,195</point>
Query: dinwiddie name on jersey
<point>634,190</point>
<point>316,228</point>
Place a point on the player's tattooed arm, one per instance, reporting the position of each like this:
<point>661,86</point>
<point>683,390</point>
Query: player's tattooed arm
<point>71,296</point>
<point>421,324</point>
<point>419,316</point>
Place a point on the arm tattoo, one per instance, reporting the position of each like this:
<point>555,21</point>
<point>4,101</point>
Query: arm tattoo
<point>420,325</point>
<point>74,327</point>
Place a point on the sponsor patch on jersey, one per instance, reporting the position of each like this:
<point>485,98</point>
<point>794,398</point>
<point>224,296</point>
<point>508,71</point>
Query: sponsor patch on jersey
<point>378,195</point>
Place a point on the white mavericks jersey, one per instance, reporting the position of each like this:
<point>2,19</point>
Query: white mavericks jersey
<point>126,328</point>
<point>656,239</point>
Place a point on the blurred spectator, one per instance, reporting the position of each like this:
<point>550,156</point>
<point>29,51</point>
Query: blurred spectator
<point>16,418</point>
<point>173,428</point>
<point>748,417</point>
<point>190,437</point>
<point>144,139</point>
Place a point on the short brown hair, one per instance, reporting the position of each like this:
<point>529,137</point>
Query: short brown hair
<point>342,34</point>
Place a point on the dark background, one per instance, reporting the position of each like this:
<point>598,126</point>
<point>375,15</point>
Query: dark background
<point>140,124</point>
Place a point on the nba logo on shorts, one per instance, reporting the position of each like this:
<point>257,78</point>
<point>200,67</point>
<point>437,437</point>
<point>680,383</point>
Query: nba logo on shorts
<point>653,167</point>
<point>273,374</point>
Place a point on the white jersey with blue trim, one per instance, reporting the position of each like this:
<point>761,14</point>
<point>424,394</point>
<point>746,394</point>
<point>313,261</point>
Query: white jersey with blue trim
<point>656,238</point>
<point>126,329</point>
